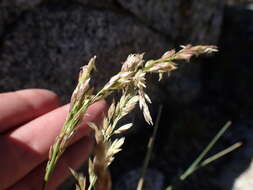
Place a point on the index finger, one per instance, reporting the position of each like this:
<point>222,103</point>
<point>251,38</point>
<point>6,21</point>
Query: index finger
<point>21,106</point>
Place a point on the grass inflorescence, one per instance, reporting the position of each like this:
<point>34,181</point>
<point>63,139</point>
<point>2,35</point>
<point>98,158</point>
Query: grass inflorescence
<point>131,81</point>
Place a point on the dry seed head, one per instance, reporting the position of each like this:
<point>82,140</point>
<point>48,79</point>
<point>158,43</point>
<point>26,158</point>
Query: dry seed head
<point>114,148</point>
<point>129,105</point>
<point>168,54</point>
<point>204,49</point>
<point>125,77</point>
<point>88,68</point>
<point>106,123</point>
<point>139,79</point>
<point>160,76</point>
<point>111,110</point>
<point>80,179</point>
<point>144,107</point>
<point>185,54</point>
<point>149,63</point>
<point>163,67</point>
<point>188,51</point>
<point>107,130</point>
<point>123,128</point>
<point>118,81</point>
<point>146,114</point>
<point>109,160</point>
<point>98,133</point>
<point>131,80</point>
<point>83,83</point>
<point>147,98</point>
<point>133,62</point>
<point>92,176</point>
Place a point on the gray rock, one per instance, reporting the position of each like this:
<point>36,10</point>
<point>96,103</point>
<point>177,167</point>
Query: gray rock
<point>245,180</point>
<point>230,86</point>
<point>238,2</point>
<point>190,21</point>
<point>184,85</point>
<point>47,47</point>
<point>154,180</point>
<point>52,42</point>
<point>43,46</point>
<point>10,10</point>
<point>20,3</point>
<point>230,76</point>
<point>183,21</point>
<point>98,3</point>
<point>8,16</point>
<point>237,175</point>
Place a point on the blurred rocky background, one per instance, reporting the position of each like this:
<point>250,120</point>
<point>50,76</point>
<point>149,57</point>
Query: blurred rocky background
<point>43,43</point>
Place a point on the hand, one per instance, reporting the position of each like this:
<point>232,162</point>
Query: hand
<point>29,122</point>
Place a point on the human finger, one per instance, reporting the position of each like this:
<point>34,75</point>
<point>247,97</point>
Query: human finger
<point>24,105</point>
<point>27,147</point>
<point>73,157</point>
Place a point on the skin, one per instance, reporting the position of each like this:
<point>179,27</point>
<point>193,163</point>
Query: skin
<point>30,120</point>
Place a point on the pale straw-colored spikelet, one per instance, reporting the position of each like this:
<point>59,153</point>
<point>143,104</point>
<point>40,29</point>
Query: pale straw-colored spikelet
<point>123,128</point>
<point>80,180</point>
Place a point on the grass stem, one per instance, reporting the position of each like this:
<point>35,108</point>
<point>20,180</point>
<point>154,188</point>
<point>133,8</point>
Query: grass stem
<point>195,164</point>
<point>150,150</point>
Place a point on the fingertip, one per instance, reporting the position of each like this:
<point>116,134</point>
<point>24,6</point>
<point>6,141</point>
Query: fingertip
<point>100,105</point>
<point>50,97</point>
<point>95,113</point>
<point>74,157</point>
<point>21,106</point>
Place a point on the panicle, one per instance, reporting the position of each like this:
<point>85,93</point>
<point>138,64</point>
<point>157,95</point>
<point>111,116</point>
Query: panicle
<point>131,80</point>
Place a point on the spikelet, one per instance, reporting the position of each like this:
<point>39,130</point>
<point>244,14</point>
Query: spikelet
<point>80,180</point>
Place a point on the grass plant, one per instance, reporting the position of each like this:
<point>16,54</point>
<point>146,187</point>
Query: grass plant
<point>199,162</point>
<point>131,81</point>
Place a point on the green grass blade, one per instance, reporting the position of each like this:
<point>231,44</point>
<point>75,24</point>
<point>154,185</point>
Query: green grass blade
<point>196,163</point>
<point>150,149</point>
<point>220,154</point>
